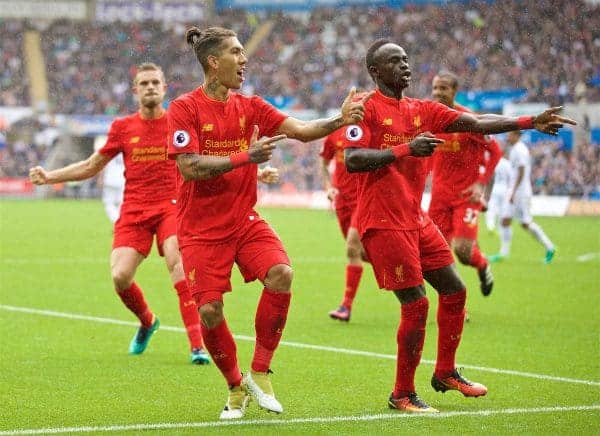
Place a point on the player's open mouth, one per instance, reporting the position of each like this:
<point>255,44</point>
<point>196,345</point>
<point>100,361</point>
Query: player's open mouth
<point>240,74</point>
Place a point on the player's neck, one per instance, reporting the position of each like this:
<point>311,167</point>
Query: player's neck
<point>151,113</point>
<point>390,92</point>
<point>215,90</point>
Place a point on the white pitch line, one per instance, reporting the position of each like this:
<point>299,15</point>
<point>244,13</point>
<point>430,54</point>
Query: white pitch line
<point>587,257</point>
<point>302,345</point>
<point>296,260</point>
<point>282,422</point>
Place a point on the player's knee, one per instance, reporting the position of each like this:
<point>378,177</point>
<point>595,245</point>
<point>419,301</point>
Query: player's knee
<point>121,277</point>
<point>176,271</point>
<point>409,295</point>
<point>452,285</point>
<point>279,278</point>
<point>211,314</point>
<point>463,254</point>
<point>353,252</point>
<point>445,280</point>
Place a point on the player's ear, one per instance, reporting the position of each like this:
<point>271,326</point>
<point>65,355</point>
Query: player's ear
<point>213,62</point>
<point>373,71</point>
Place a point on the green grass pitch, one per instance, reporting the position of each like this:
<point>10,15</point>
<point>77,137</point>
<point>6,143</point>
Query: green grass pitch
<point>64,366</point>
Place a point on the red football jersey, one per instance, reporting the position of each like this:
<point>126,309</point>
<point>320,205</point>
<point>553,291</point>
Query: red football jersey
<point>212,210</point>
<point>460,162</point>
<point>149,175</point>
<point>333,148</point>
<point>390,197</point>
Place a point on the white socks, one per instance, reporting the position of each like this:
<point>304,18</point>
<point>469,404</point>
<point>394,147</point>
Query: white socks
<point>505,240</point>
<point>539,234</point>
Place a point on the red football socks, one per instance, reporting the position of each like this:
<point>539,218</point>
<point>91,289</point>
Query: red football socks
<point>353,275</point>
<point>189,314</point>
<point>478,260</point>
<point>410,338</point>
<point>134,299</point>
<point>450,319</point>
<point>221,346</point>
<point>269,322</point>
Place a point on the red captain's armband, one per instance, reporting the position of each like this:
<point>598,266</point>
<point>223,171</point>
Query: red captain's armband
<point>525,123</point>
<point>401,150</point>
<point>239,159</point>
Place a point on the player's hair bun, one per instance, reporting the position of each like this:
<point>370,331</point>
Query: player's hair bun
<point>193,35</point>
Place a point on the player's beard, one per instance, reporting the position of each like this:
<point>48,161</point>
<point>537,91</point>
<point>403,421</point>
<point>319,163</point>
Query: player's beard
<point>150,102</point>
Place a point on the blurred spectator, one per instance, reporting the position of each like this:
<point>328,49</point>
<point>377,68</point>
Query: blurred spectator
<point>317,56</point>
<point>556,171</point>
<point>13,80</point>
<point>89,63</point>
<point>27,143</point>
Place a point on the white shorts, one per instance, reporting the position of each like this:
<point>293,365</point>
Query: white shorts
<point>495,204</point>
<point>112,197</point>
<point>520,209</point>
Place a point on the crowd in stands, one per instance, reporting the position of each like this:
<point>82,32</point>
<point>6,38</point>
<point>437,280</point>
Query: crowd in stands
<point>523,44</point>
<point>13,80</point>
<point>24,145</point>
<point>556,171</point>
<point>91,65</point>
<point>551,48</point>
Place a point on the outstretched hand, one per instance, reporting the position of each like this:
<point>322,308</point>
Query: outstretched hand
<point>332,193</point>
<point>549,121</point>
<point>260,151</point>
<point>424,144</point>
<point>353,108</point>
<point>474,192</point>
<point>38,175</point>
<point>268,175</point>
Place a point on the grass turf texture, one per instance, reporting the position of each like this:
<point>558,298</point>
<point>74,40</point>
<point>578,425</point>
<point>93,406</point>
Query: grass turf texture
<point>58,372</point>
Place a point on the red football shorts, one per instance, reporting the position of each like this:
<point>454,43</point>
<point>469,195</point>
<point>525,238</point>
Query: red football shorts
<point>399,257</point>
<point>457,221</point>
<point>136,230</point>
<point>255,248</point>
<point>346,217</point>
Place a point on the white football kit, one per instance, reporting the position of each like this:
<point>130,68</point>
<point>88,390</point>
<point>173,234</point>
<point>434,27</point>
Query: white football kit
<point>113,187</point>
<point>520,209</point>
<point>502,174</point>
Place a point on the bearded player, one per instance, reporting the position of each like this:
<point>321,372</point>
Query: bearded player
<point>148,208</point>
<point>216,140</point>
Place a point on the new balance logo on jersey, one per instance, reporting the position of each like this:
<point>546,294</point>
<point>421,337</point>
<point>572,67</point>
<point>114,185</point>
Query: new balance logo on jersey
<point>387,122</point>
<point>417,122</point>
<point>134,140</point>
<point>207,127</point>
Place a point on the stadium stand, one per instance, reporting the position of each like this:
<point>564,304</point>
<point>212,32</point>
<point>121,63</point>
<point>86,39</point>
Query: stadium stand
<point>13,81</point>
<point>309,60</point>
